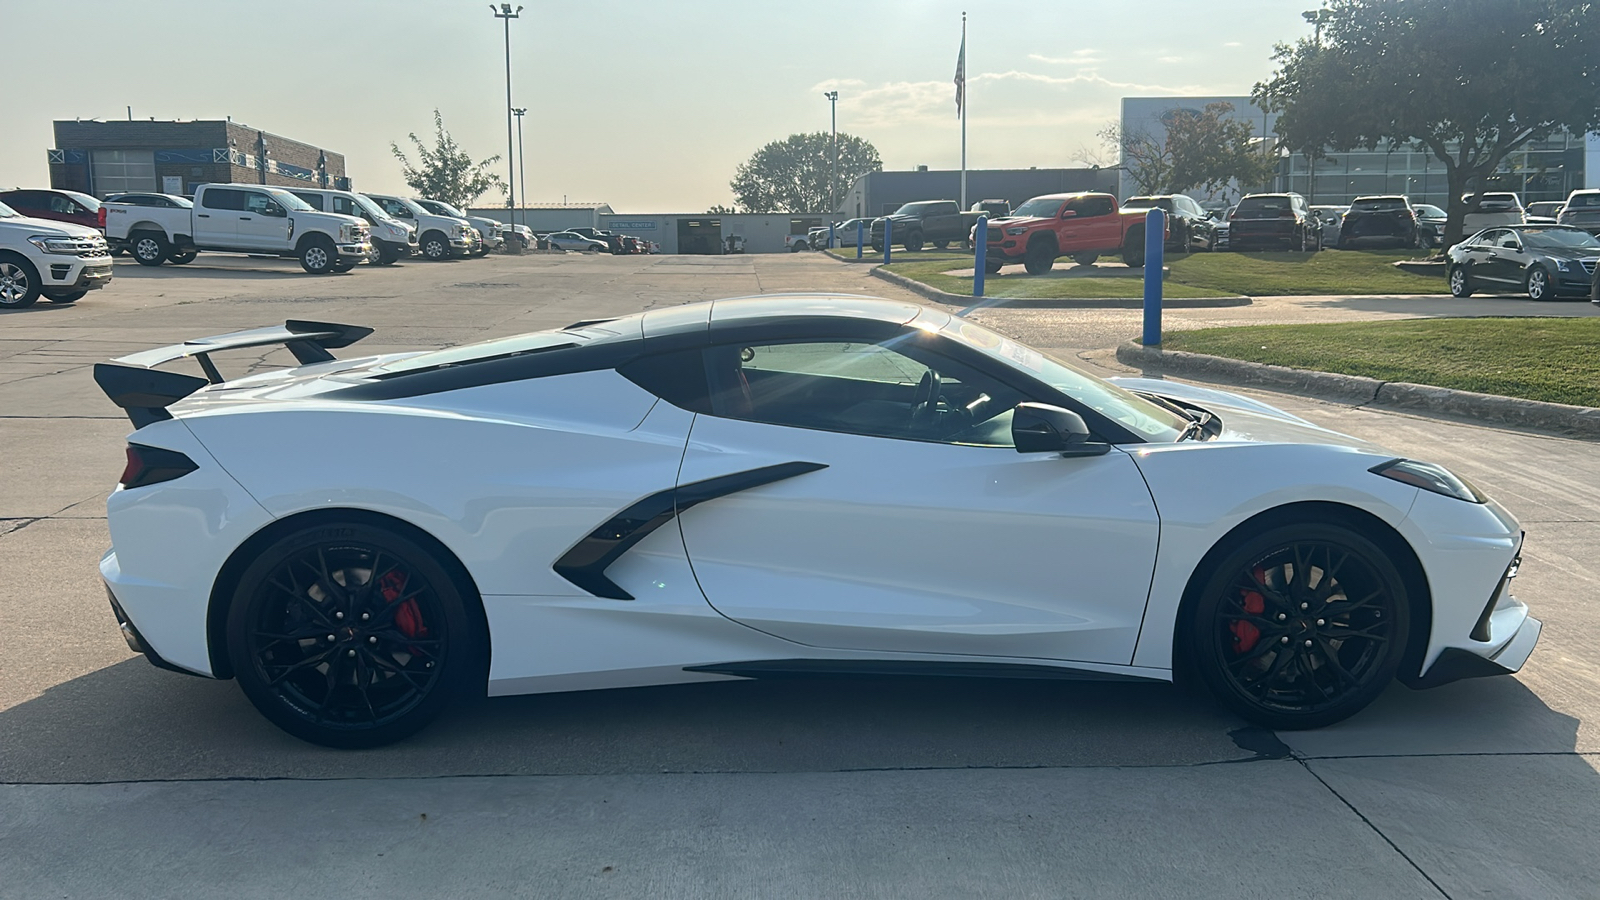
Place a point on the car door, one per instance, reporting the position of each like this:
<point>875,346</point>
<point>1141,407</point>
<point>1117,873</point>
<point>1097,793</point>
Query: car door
<point>847,515</point>
<point>263,223</point>
<point>1501,258</point>
<point>216,217</point>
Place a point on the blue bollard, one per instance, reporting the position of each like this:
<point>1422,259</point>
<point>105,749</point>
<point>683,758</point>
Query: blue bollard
<point>980,251</point>
<point>888,233</point>
<point>861,236</point>
<point>1155,238</point>
<point>830,235</point>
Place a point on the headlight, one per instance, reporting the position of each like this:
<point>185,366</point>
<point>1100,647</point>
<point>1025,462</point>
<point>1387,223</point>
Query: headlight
<point>1429,477</point>
<point>1564,265</point>
<point>1016,231</point>
<point>461,231</point>
<point>55,244</point>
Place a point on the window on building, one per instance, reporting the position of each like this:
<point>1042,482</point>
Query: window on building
<point>124,170</point>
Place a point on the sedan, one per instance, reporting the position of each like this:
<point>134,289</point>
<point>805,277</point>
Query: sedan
<point>766,486</point>
<point>567,240</point>
<point>1545,262</point>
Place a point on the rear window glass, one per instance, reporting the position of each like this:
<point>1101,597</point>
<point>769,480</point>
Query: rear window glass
<point>1583,201</point>
<point>1148,203</point>
<point>501,348</point>
<point>1377,204</point>
<point>1250,204</point>
<point>1497,201</point>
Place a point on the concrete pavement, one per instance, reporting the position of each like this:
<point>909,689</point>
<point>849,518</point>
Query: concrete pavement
<point>117,778</point>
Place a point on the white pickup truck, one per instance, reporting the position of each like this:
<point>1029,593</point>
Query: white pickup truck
<point>442,237</point>
<point>58,260</point>
<point>241,218</point>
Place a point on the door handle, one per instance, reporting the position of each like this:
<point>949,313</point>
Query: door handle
<point>204,215</point>
<point>244,218</point>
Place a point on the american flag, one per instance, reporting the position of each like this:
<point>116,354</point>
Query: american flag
<point>961,75</point>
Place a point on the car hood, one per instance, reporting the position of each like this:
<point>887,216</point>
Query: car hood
<point>1247,420</point>
<point>47,227</point>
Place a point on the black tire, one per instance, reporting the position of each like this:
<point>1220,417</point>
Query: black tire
<point>878,246</point>
<point>435,246</point>
<point>318,255</point>
<point>1039,258</point>
<point>1286,651</point>
<point>992,265</point>
<point>68,296</point>
<point>941,245</point>
<point>149,248</point>
<point>1085,259</point>
<point>1460,282</point>
<point>1537,284</point>
<point>797,246</point>
<point>913,242</point>
<point>182,257</point>
<point>1133,248</point>
<point>305,656</point>
<point>386,257</point>
<point>19,282</point>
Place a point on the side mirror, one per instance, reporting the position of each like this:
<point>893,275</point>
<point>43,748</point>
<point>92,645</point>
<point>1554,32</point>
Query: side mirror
<point>275,212</point>
<point>1068,213</point>
<point>1041,428</point>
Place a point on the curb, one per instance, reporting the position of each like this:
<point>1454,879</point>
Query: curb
<point>1488,409</point>
<point>848,259</point>
<point>962,300</point>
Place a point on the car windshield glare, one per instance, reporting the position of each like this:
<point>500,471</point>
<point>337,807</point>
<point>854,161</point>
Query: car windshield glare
<point>290,201</point>
<point>7,212</point>
<point>1154,423</point>
<point>1040,207</point>
<point>1560,239</point>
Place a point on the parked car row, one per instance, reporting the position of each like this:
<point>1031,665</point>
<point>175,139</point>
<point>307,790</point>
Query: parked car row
<point>59,260</point>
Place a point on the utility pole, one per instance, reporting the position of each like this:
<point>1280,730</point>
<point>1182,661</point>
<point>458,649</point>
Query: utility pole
<point>522,169</point>
<point>833,173</point>
<point>504,12</point>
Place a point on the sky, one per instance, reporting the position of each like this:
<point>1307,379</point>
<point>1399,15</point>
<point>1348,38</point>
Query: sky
<point>649,107</point>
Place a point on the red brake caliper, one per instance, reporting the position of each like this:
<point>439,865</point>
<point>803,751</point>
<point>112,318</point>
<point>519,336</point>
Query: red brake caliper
<point>408,618</point>
<point>1245,634</point>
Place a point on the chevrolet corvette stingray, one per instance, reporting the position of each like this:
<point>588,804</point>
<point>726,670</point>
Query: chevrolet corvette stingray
<point>771,485</point>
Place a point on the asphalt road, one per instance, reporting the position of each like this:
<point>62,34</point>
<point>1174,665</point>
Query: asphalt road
<point>118,779</point>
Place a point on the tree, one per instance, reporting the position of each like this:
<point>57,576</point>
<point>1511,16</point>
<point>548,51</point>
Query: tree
<point>1469,80</point>
<point>446,173</point>
<point>1204,150</point>
<point>793,175</point>
<point>1212,149</point>
<point>717,209</point>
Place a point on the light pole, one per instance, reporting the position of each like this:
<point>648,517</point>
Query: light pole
<point>522,169</point>
<point>833,173</point>
<point>504,12</point>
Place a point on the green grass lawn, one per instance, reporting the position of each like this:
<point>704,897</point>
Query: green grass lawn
<point>1192,275</point>
<point>1535,358</point>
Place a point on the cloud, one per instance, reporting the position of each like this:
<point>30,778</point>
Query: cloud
<point>1084,57</point>
<point>1233,44</point>
<point>1169,59</point>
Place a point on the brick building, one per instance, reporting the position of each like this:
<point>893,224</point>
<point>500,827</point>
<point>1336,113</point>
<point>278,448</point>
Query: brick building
<point>172,157</point>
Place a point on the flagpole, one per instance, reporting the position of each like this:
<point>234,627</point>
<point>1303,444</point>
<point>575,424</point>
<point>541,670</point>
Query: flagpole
<point>963,111</point>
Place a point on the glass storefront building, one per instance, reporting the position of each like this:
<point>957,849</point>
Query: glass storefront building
<point>1543,170</point>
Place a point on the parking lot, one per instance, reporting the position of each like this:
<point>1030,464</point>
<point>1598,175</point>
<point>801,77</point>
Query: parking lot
<point>118,778</point>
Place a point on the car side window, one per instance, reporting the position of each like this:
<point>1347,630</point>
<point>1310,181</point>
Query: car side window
<point>313,200</point>
<point>1508,240</point>
<point>260,204</point>
<point>890,389</point>
<point>222,198</point>
<point>62,204</point>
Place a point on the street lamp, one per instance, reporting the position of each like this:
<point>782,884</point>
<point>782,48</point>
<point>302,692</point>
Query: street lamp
<point>833,173</point>
<point>504,12</point>
<point>522,169</point>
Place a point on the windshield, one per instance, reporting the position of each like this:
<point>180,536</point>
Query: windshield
<point>1430,212</point>
<point>1560,239</point>
<point>90,203</point>
<point>919,208</point>
<point>291,201</point>
<point>449,210</point>
<point>1040,207</point>
<point>1148,203</point>
<point>1133,412</point>
<point>369,207</point>
<point>7,212</point>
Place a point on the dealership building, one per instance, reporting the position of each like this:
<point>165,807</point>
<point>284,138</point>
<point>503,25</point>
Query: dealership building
<point>173,157</point>
<point>1540,170</point>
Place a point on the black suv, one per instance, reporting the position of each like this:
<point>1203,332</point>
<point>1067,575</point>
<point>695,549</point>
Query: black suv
<point>1189,227</point>
<point>1387,219</point>
<point>1273,220</point>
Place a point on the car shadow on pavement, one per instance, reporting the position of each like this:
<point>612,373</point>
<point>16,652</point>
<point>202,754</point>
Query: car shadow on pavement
<point>130,721</point>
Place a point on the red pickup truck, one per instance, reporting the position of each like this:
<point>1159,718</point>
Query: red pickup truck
<point>1082,226</point>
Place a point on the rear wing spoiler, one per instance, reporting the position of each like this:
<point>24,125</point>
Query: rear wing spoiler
<point>132,382</point>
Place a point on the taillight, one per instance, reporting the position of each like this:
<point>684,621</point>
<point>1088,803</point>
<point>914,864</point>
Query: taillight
<point>100,217</point>
<point>153,465</point>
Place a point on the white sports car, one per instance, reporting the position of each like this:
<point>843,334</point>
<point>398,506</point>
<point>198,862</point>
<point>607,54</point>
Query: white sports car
<point>778,484</point>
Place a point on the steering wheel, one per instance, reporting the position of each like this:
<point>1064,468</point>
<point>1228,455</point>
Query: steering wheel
<point>925,402</point>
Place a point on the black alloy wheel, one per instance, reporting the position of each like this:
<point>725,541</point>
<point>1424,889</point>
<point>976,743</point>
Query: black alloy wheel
<point>1301,626</point>
<point>349,635</point>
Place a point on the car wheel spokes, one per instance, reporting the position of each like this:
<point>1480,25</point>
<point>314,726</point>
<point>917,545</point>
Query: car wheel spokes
<point>1303,627</point>
<point>348,636</point>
